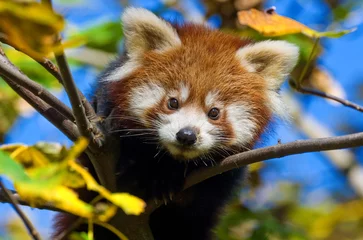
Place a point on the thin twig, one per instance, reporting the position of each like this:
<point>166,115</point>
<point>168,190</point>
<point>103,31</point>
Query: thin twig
<point>329,96</point>
<point>77,100</point>
<point>77,107</point>
<point>5,199</point>
<point>8,70</point>
<point>34,233</point>
<point>306,67</point>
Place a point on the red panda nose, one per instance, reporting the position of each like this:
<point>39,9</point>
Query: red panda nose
<point>186,136</point>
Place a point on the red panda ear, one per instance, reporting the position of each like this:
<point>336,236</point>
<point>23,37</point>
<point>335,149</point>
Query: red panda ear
<point>274,60</point>
<point>144,31</point>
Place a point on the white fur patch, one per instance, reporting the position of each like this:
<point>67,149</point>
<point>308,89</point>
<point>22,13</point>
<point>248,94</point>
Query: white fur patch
<point>184,92</point>
<point>277,105</point>
<point>145,97</point>
<point>122,72</point>
<point>187,117</point>
<point>242,123</point>
<point>211,99</point>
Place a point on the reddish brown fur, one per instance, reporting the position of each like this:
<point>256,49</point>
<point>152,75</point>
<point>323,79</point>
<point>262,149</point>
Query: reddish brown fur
<point>205,61</point>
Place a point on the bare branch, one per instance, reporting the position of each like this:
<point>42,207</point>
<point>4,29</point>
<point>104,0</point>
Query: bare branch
<point>267,153</point>
<point>54,70</point>
<point>66,126</point>
<point>34,233</point>
<point>82,122</point>
<point>277,151</point>
<point>329,96</point>
<point>8,70</point>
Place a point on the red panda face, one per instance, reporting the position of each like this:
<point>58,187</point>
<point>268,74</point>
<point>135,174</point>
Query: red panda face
<point>190,124</point>
<point>198,91</point>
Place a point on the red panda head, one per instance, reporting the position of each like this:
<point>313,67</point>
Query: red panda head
<point>199,91</point>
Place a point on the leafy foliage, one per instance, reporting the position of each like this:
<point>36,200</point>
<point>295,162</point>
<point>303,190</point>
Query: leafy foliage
<point>46,174</point>
<point>51,168</point>
<point>36,28</point>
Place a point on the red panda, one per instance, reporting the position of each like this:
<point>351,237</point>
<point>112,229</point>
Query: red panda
<point>182,98</point>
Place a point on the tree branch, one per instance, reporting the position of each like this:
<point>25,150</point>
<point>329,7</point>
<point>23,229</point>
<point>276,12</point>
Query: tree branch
<point>77,106</point>
<point>53,69</point>
<point>8,70</point>
<point>33,232</point>
<point>267,153</point>
<point>329,96</point>
<point>277,151</point>
<point>66,126</point>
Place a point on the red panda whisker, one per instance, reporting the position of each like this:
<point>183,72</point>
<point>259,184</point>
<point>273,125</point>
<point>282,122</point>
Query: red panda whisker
<point>134,130</point>
<point>133,135</point>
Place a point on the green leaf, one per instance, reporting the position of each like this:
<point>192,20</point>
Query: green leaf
<point>335,34</point>
<point>12,169</point>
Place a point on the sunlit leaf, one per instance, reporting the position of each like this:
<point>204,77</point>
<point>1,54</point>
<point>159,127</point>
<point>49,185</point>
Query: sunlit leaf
<point>130,204</point>
<point>47,173</point>
<point>79,236</point>
<point>272,24</point>
<point>29,26</point>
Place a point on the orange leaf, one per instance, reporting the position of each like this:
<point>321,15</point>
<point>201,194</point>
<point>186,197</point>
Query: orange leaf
<point>271,24</point>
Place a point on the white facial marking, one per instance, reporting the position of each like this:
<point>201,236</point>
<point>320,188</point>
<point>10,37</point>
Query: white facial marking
<point>242,122</point>
<point>187,117</point>
<point>145,97</point>
<point>184,92</point>
<point>211,99</point>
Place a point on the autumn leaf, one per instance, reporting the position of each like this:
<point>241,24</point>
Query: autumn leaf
<point>271,24</point>
<point>29,26</point>
<point>47,173</point>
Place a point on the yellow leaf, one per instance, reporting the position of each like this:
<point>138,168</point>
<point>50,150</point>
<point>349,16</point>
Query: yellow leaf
<point>271,24</point>
<point>130,204</point>
<point>79,146</point>
<point>29,26</point>
<point>27,155</point>
<point>58,196</point>
<point>46,181</point>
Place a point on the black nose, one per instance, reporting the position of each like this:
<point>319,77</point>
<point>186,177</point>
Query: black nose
<point>186,136</point>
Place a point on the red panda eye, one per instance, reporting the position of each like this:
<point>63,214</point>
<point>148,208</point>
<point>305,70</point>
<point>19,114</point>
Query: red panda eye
<point>213,113</point>
<point>173,104</point>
